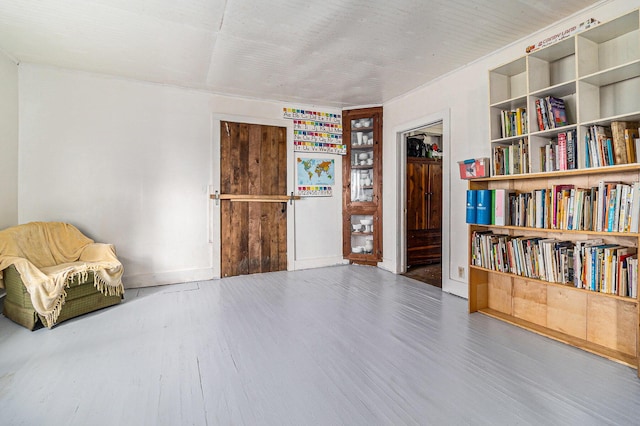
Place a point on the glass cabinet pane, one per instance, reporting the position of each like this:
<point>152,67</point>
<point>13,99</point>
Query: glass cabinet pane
<point>362,159</point>
<point>362,234</point>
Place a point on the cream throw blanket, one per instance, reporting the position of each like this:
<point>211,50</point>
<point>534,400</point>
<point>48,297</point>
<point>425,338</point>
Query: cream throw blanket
<point>49,255</point>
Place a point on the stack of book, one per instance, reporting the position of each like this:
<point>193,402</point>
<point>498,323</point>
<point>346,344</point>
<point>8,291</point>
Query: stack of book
<point>589,264</point>
<point>488,206</point>
<point>608,146</point>
<point>511,159</point>
<point>560,153</point>
<point>551,113</point>
<point>514,122</point>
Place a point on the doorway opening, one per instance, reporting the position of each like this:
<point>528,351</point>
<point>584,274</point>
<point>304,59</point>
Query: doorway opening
<point>424,167</point>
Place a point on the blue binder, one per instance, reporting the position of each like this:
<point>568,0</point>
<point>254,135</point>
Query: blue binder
<point>471,205</point>
<point>483,207</point>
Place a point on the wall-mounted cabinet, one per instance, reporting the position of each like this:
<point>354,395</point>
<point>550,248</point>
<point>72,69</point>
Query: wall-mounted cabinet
<point>362,180</point>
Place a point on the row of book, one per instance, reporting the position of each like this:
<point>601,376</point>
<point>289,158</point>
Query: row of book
<point>588,264</point>
<point>514,122</point>
<point>511,159</point>
<point>560,153</point>
<point>608,146</point>
<point>551,113</point>
<point>607,207</point>
<point>482,207</point>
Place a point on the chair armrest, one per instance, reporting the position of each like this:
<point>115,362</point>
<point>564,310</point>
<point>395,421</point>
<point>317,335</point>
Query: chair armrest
<point>99,252</point>
<point>24,267</point>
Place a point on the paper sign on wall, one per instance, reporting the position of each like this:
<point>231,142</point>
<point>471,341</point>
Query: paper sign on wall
<point>315,176</point>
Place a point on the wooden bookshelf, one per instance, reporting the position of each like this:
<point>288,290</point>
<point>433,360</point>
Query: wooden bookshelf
<point>597,74</point>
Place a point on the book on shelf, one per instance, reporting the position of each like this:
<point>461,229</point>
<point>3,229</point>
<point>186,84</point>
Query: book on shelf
<point>622,153</point>
<point>540,201</point>
<point>580,276</point>
<point>519,122</point>
<point>558,193</point>
<point>483,207</point>
<point>558,112</point>
<point>630,135</point>
<point>498,161</point>
<point>598,146</point>
<point>543,121</point>
<point>634,214</point>
<point>514,159</point>
<point>624,206</point>
<point>562,151</point>
<point>587,151</point>
<point>608,153</point>
<point>572,150</point>
<point>632,264</point>
<point>501,206</point>
<point>620,270</point>
<point>471,206</point>
<point>539,115</point>
<point>548,155</point>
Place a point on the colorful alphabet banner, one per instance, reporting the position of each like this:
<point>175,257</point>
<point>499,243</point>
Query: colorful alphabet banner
<point>315,131</point>
<point>327,117</point>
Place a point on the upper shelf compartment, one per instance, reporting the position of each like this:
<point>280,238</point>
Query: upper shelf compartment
<point>508,82</point>
<point>609,45</point>
<point>552,66</point>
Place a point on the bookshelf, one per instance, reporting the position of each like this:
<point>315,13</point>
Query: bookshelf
<point>596,74</point>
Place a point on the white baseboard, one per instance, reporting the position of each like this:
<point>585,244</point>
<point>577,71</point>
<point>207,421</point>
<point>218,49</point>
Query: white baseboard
<point>318,263</point>
<point>455,287</point>
<point>162,278</point>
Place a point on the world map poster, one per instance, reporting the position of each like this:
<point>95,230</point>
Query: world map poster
<point>315,176</point>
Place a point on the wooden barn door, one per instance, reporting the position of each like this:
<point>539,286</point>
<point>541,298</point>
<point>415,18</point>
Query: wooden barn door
<point>253,168</point>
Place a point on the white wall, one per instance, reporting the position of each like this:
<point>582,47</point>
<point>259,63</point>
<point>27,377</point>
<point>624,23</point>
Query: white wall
<point>131,163</point>
<point>465,94</point>
<point>8,142</point>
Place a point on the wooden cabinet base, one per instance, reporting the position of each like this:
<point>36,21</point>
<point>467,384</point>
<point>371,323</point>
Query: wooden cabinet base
<point>598,323</point>
<point>424,247</point>
<point>594,348</point>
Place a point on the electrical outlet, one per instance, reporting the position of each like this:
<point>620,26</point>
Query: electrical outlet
<point>460,271</point>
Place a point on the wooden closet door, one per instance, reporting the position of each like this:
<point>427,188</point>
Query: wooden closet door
<point>424,211</point>
<point>253,234</point>
<point>434,196</point>
<point>417,189</point>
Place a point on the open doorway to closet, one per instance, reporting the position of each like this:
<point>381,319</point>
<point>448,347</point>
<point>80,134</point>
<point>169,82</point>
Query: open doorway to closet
<point>424,204</point>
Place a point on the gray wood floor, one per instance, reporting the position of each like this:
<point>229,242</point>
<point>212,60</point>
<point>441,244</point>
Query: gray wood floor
<point>346,345</point>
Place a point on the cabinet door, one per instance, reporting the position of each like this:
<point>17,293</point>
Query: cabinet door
<point>417,190</point>
<point>424,195</point>
<point>434,196</point>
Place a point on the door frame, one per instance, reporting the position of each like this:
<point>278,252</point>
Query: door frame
<point>214,179</point>
<point>449,284</point>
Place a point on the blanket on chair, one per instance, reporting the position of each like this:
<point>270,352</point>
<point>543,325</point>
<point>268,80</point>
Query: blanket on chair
<point>49,255</point>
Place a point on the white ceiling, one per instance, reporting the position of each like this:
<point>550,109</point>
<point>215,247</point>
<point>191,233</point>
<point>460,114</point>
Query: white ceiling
<point>334,52</point>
